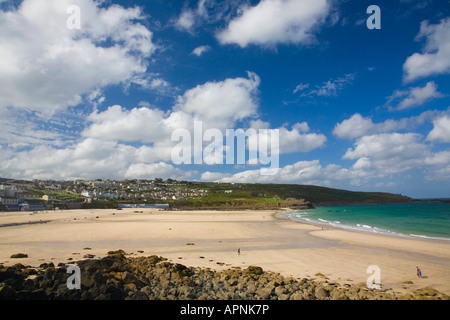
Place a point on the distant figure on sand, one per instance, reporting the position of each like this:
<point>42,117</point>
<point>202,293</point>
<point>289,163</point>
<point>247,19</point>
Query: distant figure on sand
<point>419,272</point>
<point>239,251</point>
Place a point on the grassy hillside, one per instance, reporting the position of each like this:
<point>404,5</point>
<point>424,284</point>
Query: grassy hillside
<point>315,194</point>
<point>280,195</point>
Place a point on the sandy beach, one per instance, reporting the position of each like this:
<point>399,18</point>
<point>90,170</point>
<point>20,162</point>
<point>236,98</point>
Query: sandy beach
<point>212,239</point>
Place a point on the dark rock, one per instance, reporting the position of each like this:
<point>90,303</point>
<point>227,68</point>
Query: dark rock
<point>87,295</point>
<point>38,294</point>
<point>104,296</point>
<point>19,256</point>
<point>264,293</point>
<point>29,271</point>
<point>280,291</point>
<point>115,295</point>
<point>62,288</point>
<point>12,279</point>
<point>154,259</point>
<point>6,292</point>
<point>116,252</point>
<point>127,278</point>
<point>46,265</point>
<point>297,296</point>
<point>87,280</point>
<point>255,270</point>
<point>138,295</point>
<point>28,283</point>
<point>18,267</point>
<point>321,293</point>
<point>96,265</point>
<point>427,291</point>
<point>251,288</point>
<point>338,294</point>
<point>49,273</point>
<point>61,270</point>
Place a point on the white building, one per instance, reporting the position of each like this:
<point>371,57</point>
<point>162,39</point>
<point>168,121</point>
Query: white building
<point>9,201</point>
<point>86,194</point>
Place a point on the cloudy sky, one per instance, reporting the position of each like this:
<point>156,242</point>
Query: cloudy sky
<point>356,108</point>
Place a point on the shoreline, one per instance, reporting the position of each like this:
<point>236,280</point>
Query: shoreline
<point>292,248</point>
<point>397,235</point>
<point>368,229</point>
<point>362,237</point>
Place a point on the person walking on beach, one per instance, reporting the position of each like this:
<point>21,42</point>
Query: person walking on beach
<point>239,251</point>
<point>419,272</point>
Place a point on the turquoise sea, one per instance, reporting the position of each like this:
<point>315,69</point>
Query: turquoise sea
<point>424,220</point>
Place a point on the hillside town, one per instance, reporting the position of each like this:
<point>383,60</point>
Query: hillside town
<point>36,195</point>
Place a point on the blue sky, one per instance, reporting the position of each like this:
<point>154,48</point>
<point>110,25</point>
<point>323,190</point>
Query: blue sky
<point>356,108</point>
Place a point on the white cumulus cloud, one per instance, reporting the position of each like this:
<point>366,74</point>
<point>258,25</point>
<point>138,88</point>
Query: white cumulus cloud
<point>389,153</point>
<point>357,125</point>
<point>386,145</point>
<point>297,140</point>
<point>273,22</point>
<point>414,97</point>
<point>186,21</point>
<point>221,104</point>
<point>46,66</point>
<point>435,58</point>
<point>441,130</point>
<point>200,50</point>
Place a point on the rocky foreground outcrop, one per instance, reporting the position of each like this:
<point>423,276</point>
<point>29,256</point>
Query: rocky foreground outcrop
<point>116,277</point>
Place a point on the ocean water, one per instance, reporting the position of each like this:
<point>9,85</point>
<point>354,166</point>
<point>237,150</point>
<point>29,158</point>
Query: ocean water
<point>422,220</point>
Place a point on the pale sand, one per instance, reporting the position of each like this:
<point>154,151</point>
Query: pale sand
<point>284,246</point>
